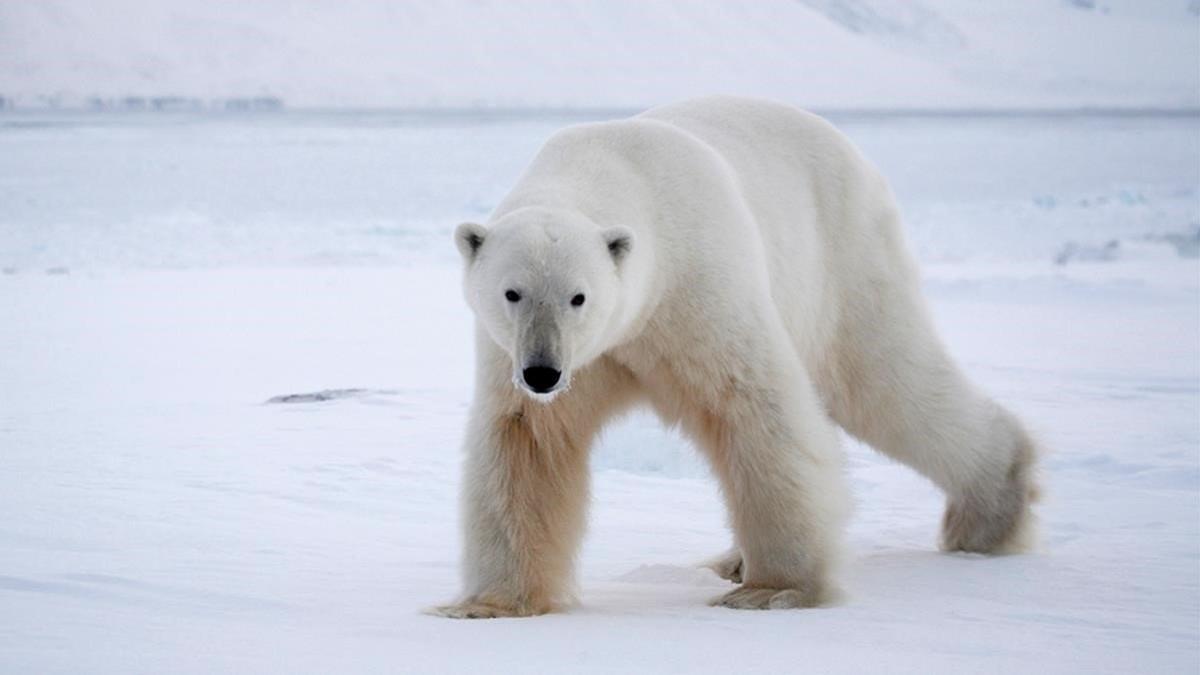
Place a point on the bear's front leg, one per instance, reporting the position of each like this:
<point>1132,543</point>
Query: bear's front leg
<point>525,489</point>
<point>777,457</point>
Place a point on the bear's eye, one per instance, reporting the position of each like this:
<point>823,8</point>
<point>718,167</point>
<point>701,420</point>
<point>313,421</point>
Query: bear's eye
<point>577,300</point>
<point>512,296</point>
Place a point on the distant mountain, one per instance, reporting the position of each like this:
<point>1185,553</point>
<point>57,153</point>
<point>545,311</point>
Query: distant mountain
<point>586,53</point>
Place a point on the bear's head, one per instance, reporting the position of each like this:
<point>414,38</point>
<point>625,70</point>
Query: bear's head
<point>546,287</point>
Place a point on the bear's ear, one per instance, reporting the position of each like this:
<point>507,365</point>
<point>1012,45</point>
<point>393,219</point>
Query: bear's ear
<point>619,240</point>
<point>469,237</point>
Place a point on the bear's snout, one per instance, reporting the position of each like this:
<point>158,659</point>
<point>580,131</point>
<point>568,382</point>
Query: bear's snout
<point>540,378</point>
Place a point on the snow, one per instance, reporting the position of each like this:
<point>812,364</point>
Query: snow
<point>165,279</point>
<point>581,53</point>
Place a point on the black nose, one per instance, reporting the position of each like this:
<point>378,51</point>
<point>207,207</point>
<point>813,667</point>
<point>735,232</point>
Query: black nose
<point>540,378</point>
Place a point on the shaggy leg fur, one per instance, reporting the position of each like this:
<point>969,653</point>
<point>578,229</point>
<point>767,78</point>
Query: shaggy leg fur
<point>899,391</point>
<point>994,517</point>
<point>526,491</point>
<point>777,458</point>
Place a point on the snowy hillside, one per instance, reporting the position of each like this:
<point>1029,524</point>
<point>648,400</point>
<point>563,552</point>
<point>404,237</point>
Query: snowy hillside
<point>577,53</point>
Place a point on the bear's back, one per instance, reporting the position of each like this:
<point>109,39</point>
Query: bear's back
<point>795,169</point>
<point>825,216</point>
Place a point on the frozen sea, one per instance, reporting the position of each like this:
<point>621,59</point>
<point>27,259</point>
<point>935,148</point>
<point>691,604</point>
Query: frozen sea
<point>166,276</point>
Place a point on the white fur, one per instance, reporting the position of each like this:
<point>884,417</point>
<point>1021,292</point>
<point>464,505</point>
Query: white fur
<point>759,294</point>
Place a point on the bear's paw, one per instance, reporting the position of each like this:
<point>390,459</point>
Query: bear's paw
<point>752,597</point>
<point>475,609</point>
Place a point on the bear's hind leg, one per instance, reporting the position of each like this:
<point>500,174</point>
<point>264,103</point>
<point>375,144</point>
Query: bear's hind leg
<point>993,514</point>
<point>728,565</point>
<point>898,390</point>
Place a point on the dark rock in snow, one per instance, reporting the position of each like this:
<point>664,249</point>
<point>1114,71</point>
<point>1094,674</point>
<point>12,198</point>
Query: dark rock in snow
<point>317,396</point>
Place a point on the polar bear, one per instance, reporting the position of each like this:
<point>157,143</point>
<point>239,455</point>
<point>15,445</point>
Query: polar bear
<point>737,265</point>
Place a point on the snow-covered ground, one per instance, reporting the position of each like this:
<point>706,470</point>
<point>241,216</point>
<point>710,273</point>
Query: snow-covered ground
<point>164,277</point>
